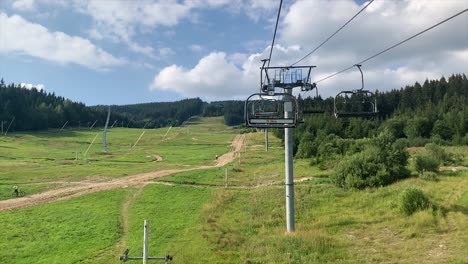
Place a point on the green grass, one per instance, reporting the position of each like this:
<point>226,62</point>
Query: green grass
<point>252,167</point>
<point>203,224</point>
<point>172,212</point>
<point>61,232</point>
<point>48,156</point>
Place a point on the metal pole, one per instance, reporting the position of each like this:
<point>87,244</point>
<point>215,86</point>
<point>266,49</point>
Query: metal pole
<point>142,133</point>
<point>266,139</point>
<point>288,159</point>
<point>145,243</point>
<point>9,126</point>
<point>93,124</point>
<point>64,125</point>
<point>92,142</point>
<point>104,133</point>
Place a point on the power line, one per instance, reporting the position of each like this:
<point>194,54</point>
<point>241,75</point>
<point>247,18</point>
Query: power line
<point>332,35</point>
<point>274,34</point>
<point>394,46</point>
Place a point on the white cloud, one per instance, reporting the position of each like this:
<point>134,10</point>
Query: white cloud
<point>439,52</point>
<point>29,86</point>
<point>121,21</point>
<point>24,5</point>
<point>217,75</point>
<point>213,77</point>
<point>23,37</point>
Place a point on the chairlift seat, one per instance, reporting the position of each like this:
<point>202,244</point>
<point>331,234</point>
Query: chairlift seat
<point>267,111</point>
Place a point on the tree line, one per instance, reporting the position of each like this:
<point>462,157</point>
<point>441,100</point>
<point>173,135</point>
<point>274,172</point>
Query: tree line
<point>33,109</point>
<point>435,111</point>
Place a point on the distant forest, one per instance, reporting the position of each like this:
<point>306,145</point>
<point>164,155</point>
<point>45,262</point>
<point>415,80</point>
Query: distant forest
<point>436,110</point>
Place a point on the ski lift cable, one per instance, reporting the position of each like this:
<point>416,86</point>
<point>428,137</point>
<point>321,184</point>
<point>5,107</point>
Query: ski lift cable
<point>274,34</point>
<point>332,35</point>
<point>394,46</point>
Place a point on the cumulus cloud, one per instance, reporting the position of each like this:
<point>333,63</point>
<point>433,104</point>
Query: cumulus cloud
<point>439,52</point>
<point>29,86</point>
<point>23,37</point>
<point>217,75</point>
<point>213,77</point>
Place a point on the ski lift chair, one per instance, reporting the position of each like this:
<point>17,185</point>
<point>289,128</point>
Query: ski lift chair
<point>267,111</point>
<point>355,103</point>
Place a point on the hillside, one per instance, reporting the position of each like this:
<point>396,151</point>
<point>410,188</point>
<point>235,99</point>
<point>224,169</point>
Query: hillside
<point>91,207</point>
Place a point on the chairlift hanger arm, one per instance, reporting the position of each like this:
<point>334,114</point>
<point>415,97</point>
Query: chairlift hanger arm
<point>362,75</point>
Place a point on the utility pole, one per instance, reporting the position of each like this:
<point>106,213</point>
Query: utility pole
<point>104,133</point>
<point>288,159</point>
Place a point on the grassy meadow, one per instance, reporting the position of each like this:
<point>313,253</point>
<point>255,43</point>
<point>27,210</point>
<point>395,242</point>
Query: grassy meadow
<point>37,161</point>
<point>199,221</point>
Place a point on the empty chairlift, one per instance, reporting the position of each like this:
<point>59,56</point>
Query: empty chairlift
<point>355,103</point>
<point>272,109</point>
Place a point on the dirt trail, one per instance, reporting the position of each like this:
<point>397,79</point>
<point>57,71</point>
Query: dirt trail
<point>91,187</point>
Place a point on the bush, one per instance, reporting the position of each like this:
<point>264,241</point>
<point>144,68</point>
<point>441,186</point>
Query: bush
<point>425,163</point>
<point>381,163</point>
<point>428,176</point>
<point>412,200</point>
<point>360,171</point>
<point>439,153</point>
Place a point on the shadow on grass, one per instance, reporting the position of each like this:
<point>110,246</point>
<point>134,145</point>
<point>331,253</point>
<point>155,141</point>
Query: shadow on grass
<point>458,209</point>
<point>453,173</point>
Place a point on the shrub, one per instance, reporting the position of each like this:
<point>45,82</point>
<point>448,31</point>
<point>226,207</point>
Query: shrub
<point>428,176</point>
<point>381,163</point>
<point>412,200</point>
<point>439,153</point>
<point>359,171</point>
<point>425,163</point>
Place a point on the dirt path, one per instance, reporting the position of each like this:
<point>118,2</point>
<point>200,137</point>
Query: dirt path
<point>92,187</point>
<point>243,187</point>
<point>121,245</point>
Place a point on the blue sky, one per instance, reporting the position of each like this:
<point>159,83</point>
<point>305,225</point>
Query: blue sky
<point>123,52</point>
